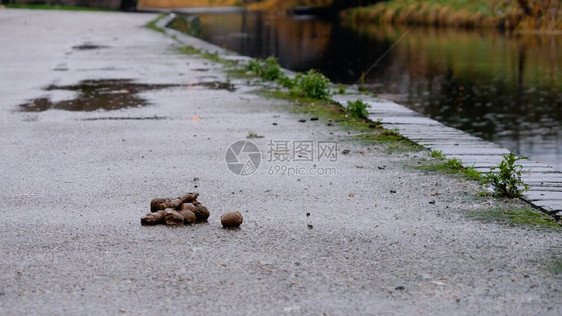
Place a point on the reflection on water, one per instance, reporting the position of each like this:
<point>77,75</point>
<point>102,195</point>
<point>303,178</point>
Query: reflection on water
<point>504,89</point>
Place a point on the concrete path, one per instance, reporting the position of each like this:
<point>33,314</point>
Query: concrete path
<point>75,183</point>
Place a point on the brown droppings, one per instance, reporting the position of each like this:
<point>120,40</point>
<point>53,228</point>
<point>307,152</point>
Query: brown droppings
<point>157,204</point>
<point>188,216</point>
<point>173,204</point>
<point>172,217</point>
<point>176,211</point>
<point>231,220</point>
<point>153,218</point>
<point>187,206</point>
<point>201,213</point>
<point>189,197</point>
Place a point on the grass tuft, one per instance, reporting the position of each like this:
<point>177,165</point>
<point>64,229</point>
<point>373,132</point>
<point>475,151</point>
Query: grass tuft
<point>188,50</point>
<point>334,113</point>
<point>437,154</point>
<point>152,24</point>
<point>556,266</point>
<point>524,216</point>
<point>450,166</point>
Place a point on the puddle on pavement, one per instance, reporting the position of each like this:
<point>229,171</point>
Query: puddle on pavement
<point>92,95</point>
<point>215,85</point>
<point>141,118</point>
<point>107,94</point>
<point>87,46</point>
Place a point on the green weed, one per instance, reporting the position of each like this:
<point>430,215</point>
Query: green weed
<point>507,182</point>
<point>267,69</point>
<point>341,89</point>
<point>358,109</point>
<point>251,134</point>
<point>311,85</point>
<point>286,82</point>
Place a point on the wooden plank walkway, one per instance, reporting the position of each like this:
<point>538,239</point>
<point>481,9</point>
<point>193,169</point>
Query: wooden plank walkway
<point>545,183</point>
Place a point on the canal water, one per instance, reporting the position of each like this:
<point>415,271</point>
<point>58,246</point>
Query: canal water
<point>505,89</point>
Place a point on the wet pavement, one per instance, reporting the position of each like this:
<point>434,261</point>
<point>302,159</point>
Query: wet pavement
<point>92,95</point>
<point>375,237</point>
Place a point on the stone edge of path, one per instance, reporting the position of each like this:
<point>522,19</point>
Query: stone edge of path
<point>545,183</point>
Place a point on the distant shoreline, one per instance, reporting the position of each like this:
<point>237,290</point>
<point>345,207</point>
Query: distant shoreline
<point>508,16</point>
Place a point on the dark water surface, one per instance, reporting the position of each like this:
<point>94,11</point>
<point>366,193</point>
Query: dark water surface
<point>506,89</point>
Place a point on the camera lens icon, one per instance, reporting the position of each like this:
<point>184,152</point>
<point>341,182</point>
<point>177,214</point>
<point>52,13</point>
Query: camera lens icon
<point>243,157</point>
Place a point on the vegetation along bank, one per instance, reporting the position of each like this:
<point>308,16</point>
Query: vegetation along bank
<point>509,15</point>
